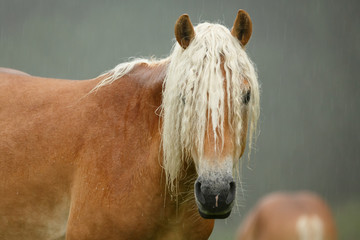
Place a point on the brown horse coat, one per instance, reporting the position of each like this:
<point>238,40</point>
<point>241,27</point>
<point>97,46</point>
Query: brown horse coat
<point>59,145</point>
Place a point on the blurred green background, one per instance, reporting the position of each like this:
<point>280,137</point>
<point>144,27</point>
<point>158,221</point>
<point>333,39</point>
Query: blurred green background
<point>307,56</point>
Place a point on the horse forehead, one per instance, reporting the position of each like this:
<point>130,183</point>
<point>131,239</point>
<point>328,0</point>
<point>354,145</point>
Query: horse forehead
<point>245,82</point>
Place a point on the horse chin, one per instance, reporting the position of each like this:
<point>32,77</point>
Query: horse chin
<point>208,215</point>
<point>211,214</point>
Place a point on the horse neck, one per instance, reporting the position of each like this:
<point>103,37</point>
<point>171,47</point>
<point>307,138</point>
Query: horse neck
<point>126,119</point>
<point>148,97</point>
<point>134,102</point>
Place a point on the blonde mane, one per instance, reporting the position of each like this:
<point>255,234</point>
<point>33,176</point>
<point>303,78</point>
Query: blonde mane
<point>194,88</point>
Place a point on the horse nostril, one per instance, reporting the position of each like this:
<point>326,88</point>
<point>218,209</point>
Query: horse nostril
<point>232,191</point>
<point>232,186</point>
<point>198,186</point>
<point>199,194</point>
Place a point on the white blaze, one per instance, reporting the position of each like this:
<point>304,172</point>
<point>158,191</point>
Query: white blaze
<point>310,228</point>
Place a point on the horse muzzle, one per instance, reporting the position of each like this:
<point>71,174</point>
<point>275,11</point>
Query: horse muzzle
<point>215,196</point>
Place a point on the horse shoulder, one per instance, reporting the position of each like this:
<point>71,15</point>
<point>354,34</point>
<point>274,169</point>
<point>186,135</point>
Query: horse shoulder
<point>120,172</point>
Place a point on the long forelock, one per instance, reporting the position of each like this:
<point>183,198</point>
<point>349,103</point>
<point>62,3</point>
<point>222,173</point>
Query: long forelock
<point>194,95</point>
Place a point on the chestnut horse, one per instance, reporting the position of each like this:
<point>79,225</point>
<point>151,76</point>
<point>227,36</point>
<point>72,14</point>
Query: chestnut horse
<point>289,216</point>
<point>118,156</point>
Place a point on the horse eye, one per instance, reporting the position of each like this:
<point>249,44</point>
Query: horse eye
<point>246,97</point>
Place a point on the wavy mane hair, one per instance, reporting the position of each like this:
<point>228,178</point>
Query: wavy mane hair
<point>194,87</point>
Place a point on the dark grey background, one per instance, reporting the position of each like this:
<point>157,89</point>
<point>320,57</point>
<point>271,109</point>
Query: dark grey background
<point>307,56</point>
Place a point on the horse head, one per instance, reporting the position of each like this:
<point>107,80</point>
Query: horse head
<point>210,93</point>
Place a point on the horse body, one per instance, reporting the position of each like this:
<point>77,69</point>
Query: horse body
<point>87,159</point>
<point>58,177</point>
<point>283,216</point>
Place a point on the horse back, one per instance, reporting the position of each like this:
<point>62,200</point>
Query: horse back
<point>12,71</point>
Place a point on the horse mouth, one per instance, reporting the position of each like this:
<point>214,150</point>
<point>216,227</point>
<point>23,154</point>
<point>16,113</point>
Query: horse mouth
<point>214,215</point>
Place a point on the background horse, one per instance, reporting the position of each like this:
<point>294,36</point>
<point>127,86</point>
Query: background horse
<point>117,157</point>
<point>285,216</point>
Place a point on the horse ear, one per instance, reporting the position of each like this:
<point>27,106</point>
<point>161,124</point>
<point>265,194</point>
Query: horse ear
<point>184,31</point>
<point>242,28</point>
